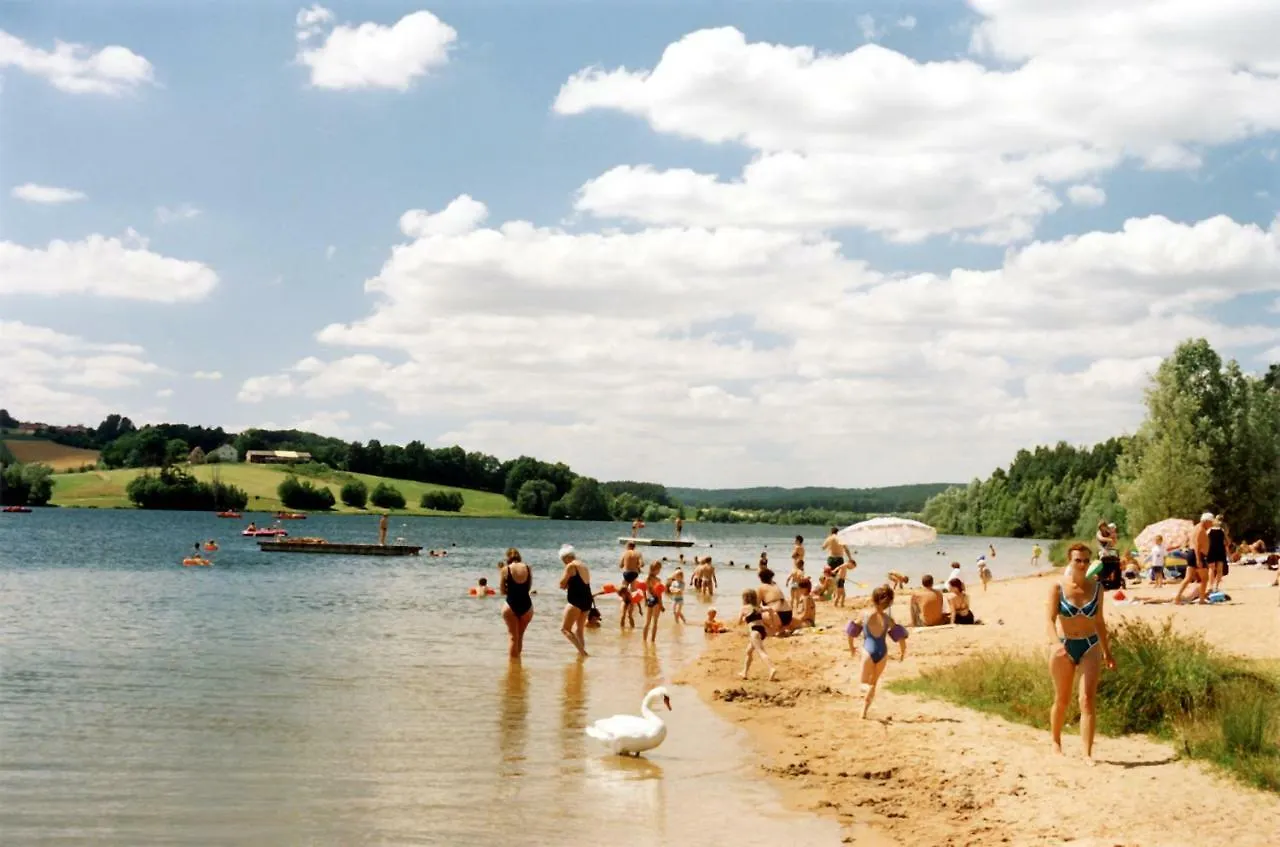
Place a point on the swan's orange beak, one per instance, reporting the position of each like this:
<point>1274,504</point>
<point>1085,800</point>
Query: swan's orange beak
<point>667,702</point>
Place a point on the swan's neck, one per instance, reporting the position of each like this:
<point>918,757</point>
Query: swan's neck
<point>648,712</point>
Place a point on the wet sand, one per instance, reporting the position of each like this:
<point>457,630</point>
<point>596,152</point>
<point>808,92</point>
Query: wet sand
<point>927,771</point>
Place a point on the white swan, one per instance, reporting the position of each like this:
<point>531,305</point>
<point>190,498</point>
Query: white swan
<point>631,735</point>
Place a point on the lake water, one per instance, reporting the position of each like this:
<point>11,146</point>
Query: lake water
<point>281,699</point>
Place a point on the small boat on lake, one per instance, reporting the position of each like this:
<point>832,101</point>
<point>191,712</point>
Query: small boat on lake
<point>290,516</point>
<point>17,510</point>
<point>656,542</point>
<point>256,533</point>
<point>229,514</point>
<point>319,545</point>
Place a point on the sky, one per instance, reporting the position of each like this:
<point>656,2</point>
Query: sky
<point>699,243</point>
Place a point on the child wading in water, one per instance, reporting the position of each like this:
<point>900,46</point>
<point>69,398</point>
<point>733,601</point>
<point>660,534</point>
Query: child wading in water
<point>653,606</point>
<point>752,616</point>
<point>675,590</point>
<point>876,627</point>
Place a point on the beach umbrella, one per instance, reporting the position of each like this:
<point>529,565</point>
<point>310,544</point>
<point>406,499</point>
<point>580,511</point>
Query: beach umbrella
<point>1176,531</point>
<point>887,532</point>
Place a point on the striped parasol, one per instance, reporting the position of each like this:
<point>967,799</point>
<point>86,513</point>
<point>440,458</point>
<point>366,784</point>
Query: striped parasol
<point>1176,531</point>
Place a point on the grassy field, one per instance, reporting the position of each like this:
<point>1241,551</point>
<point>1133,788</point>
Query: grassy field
<point>1213,706</point>
<point>57,456</point>
<point>106,490</point>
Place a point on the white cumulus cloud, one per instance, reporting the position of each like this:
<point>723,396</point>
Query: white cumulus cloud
<point>50,375</point>
<point>78,69</point>
<point>530,338</point>
<point>47,195</point>
<point>1086,195</point>
<point>371,55</point>
<point>209,375</point>
<point>979,145</point>
<point>104,267</point>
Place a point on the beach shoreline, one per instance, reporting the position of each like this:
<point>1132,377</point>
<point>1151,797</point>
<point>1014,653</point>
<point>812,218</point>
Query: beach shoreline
<point>930,771</point>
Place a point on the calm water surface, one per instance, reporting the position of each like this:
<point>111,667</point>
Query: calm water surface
<point>287,699</point>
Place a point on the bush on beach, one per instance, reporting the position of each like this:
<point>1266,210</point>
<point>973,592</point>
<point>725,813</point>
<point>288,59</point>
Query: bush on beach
<point>1168,684</point>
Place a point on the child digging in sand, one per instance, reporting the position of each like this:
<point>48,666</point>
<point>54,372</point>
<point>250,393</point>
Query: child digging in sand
<point>876,628</point>
<point>752,616</point>
<point>712,624</point>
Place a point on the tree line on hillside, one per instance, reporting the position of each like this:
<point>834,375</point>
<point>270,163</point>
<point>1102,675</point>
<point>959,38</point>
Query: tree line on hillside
<point>534,487</point>
<point>1210,441</point>
<point>891,499</point>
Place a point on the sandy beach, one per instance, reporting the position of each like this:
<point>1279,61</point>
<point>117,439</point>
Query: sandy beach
<point>927,771</point>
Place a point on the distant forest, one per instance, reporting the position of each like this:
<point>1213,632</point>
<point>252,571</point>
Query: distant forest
<point>894,498</point>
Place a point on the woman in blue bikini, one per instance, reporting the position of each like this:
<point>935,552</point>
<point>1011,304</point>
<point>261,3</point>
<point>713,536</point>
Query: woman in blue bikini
<point>1075,605</point>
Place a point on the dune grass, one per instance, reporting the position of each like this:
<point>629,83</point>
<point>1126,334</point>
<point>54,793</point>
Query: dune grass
<point>106,489</point>
<point>1214,707</point>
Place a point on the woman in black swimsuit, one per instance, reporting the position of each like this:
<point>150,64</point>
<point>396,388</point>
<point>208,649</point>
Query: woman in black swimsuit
<point>514,581</point>
<point>576,582</point>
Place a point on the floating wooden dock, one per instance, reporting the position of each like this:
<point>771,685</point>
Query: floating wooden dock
<point>656,542</point>
<point>338,548</point>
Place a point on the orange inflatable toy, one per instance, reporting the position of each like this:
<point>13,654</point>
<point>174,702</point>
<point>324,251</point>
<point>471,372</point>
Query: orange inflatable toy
<point>638,597</point>
<point>196,562</point>
<point>475,592</point>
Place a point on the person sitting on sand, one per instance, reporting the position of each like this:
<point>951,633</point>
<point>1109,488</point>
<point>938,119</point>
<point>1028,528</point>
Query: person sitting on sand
<point>898,581</point>
<point>806,609</point>
<point>877,627</point>
<point>960,611</point>
<point>753,615</point>
<point>984,574</point>
<point>926,604</point>
<point>712,624</point>
<point>1075,604</point>
<point>1131,571</point>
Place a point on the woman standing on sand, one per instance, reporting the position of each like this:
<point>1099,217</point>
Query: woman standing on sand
<point>1075,605</point>
<point>514,581</point>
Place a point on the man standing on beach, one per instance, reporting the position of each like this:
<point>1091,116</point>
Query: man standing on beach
<point>837,552</point>
<point>382,530</point>
<point>1198,568</point>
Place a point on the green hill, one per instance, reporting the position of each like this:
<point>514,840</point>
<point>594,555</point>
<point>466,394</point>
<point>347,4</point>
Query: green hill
<point>106,489</point>
<point>895,498</point>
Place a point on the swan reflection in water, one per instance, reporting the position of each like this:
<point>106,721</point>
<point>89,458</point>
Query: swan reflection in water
<point>634,788</point>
